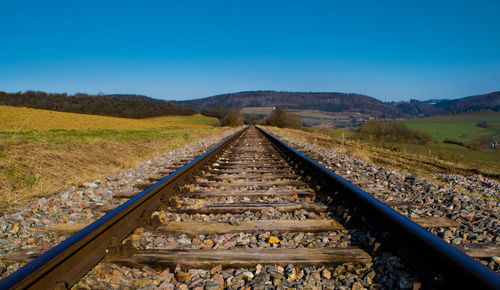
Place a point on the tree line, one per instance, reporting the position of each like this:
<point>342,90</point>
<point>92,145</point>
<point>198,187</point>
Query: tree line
<point>231,117</point>
<point>126,106</point>
<point>136,106</point>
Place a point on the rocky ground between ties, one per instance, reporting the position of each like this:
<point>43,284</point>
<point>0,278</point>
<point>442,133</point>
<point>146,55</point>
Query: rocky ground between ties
<point>347,276</point>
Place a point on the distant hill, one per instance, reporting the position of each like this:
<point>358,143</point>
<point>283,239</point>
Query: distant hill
<point>139,106</point>
<point>415,108</point>
<point>126,106</point>
<point>435,101</point>
<point>486,102</point>
<point>473,104</point>
<point>342,102</point>
<point>331,102</point>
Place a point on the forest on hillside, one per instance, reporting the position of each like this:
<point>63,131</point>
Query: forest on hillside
<point>353,103</point>
<point>126,106</point>
<point>331,102</point>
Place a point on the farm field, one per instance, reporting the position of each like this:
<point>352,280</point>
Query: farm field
<point>459,127</point>
<point>313,118</point>
<point>18,119</point>
<point>260,111</point>
<point>43,151</point>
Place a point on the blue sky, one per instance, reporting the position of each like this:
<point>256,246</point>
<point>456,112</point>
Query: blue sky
<point>391,50</point>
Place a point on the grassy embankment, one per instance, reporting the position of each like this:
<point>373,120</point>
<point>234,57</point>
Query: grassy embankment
<point>42,151</point>
<point>421,159</point>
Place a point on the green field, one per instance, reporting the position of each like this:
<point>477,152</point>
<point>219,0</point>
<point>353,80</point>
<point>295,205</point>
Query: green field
<point>190,120</point>
<point>460,127</point>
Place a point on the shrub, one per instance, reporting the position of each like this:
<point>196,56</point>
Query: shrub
<point>483,124</point>
<point>232,118</point>
<point>283,119</point>
<point>218,112</point>
<point>252,120</point>
<point>393,132</point>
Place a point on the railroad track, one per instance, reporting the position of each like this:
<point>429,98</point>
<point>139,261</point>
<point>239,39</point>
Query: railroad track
<point>254,207</point>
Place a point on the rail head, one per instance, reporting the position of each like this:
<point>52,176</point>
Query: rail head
<point>67,262</point>
<point>441,264</point>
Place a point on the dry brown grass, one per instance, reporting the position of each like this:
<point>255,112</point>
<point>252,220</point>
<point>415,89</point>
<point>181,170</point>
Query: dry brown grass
<point>341,145</point>
<point>32,169</point>
<point>14,119</point>
<point>43,152</point>
<point>423,164</point>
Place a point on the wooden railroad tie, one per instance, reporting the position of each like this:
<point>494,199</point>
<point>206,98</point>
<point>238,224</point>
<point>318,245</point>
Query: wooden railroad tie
<point>249,193</point>
<point>144,185</point>
<point>249,206</point>
<point>254,162</point>
<point>250,171</point>
<point>252,166</point>
<point>250,176</point>
<point>263,225</point>
<point>254,183</point>
<point>126,194</point>
<point>473,250</point>
<point>245,257</point>
<point>196,228</point>
<point>275,159</point>
<point>228,193</point>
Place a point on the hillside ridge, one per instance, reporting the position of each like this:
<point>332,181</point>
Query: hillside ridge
<point>140,106</point>
<point>347,102</point>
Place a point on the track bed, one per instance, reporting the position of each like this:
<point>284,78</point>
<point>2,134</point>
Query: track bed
<point>245,216</point>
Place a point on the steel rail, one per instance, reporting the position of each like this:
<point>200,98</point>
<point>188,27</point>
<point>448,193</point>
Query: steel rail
<point>66,263</point>
<point>440,264</point>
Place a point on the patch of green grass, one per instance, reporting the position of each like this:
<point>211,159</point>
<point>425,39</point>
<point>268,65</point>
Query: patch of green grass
<point>57,136</point>
<point>257,111</point>
<point>19,176</point>
<point>3,153</point>
<point>460,127</point>
<point>338,134</point>
<point>194,120</point>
